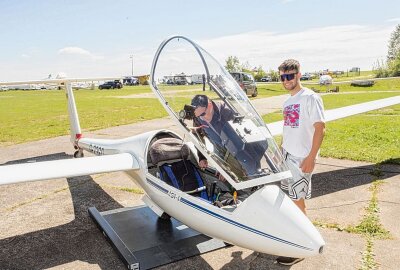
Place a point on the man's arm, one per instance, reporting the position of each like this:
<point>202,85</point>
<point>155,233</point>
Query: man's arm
<point>308,164</point>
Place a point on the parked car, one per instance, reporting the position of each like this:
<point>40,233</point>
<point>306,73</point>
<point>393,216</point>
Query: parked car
<point>305,77</point>
<point>180,80</point>
<point>130,81</point>
<point>246,82</point>
<point>266,79</point>
<point>111,85</point>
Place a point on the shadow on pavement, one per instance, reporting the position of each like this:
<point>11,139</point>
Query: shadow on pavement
<point>78,240</point>
<point>55,156</point>
<point>342,178</point>
<point>253,261</point>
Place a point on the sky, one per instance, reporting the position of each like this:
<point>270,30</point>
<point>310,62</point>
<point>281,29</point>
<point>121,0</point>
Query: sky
<point>95,38</point>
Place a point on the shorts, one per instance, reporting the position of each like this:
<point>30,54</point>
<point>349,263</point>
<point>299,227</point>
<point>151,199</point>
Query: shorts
<point>298,187</point>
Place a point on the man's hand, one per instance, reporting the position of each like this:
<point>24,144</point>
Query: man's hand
<point>203,163</point>
<point>220,177</point>
<point>195,129</point>
<point>308,164</point>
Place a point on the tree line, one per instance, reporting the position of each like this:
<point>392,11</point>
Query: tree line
<point>390,67</point>
<point>233,64</point>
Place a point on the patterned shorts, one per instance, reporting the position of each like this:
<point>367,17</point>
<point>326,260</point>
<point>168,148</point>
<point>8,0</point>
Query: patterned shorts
<point>298,187</point>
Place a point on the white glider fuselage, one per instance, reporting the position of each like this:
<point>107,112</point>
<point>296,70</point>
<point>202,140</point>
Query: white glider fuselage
<point>267,221</point>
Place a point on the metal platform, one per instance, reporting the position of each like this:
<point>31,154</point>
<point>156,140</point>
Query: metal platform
<point>143,241</point>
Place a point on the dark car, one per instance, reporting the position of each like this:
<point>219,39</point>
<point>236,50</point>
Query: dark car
<point>111,85</point>
<point>266,79</point>
<point>305,77</point>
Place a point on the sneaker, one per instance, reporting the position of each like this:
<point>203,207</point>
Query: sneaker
<point>288,260</point>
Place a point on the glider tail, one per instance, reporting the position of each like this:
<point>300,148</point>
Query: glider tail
<point>75,127</point>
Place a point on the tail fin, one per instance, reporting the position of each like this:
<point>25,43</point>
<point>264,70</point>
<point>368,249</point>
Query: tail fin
<point>75,127</point>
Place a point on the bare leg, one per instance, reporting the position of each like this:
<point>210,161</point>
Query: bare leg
<point>302,205</point>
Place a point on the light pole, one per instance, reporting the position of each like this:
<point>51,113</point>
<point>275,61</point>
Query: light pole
<point>131,57</point>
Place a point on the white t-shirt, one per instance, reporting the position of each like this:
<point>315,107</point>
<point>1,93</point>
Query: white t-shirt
<point>300,113</point>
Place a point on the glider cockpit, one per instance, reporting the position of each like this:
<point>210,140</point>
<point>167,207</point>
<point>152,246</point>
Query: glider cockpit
<point>215,115</point>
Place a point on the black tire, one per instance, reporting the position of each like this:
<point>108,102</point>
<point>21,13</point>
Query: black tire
<point>255,93</point>
<point>165,216</point>
<point>78,154</point>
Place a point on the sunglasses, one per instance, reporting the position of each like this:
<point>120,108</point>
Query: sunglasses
<point>204,113</point>
<point>288,77</point>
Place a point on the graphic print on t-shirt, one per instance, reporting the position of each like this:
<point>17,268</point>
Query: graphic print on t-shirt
<point>291,115</point>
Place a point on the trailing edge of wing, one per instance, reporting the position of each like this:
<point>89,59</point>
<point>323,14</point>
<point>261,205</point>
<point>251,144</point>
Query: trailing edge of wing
<point>66,168</point>
<point>277,127</point>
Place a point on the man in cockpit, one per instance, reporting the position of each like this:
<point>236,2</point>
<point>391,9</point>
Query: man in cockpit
<point>210,119</point>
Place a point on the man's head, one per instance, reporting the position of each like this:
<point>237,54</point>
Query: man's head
<point>202,106</point>
<point>289,72</point>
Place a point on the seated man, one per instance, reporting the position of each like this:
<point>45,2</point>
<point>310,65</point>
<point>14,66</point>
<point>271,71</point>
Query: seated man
<point>210,119</point>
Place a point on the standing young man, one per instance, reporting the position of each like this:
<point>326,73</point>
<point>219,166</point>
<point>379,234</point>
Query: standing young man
<point>303,132</point>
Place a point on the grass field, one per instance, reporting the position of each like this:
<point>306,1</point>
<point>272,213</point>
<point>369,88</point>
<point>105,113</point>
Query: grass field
<point>33,115</point>
<point>373,137</point>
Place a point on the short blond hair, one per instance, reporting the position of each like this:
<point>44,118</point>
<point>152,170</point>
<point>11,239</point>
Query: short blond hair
<point>289,65</point>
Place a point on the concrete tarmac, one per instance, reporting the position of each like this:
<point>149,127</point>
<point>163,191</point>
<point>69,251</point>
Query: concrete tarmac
<point>45,225</point>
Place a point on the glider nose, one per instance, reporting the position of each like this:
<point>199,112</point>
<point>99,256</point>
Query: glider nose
<point>286,230</point>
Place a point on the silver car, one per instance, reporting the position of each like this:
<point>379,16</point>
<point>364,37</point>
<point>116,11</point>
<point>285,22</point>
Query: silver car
<point>246,82</point>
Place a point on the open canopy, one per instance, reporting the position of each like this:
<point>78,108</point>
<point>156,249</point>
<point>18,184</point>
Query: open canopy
<point>215,114</point>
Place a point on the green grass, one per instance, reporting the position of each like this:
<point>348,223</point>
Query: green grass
<point>372,137</point>
<point>269,90</point>
<point>33,115</point>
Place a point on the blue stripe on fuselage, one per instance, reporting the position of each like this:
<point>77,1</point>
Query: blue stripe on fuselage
<point>237,224</point>
<point>241,225</point>
<point>157,186</point>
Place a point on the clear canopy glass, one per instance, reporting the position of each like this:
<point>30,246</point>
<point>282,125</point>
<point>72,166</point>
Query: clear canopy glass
<point>215,114</point>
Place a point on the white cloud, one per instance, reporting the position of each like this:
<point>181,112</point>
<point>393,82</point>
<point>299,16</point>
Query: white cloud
<point>334,47</point>
<point>78,51</point>
<point>393,20</point>
<point>25,56</point>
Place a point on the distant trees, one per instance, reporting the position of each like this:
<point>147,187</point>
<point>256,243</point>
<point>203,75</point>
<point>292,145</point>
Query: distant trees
<point>390,68</point>
<point>274,74</point>
<point>233,64</point>
<point>260,73</point>
<point>394,44</point>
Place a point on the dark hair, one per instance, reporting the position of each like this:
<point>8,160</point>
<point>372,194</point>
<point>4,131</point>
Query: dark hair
<point>288,65</point>
<point>200,101</point>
